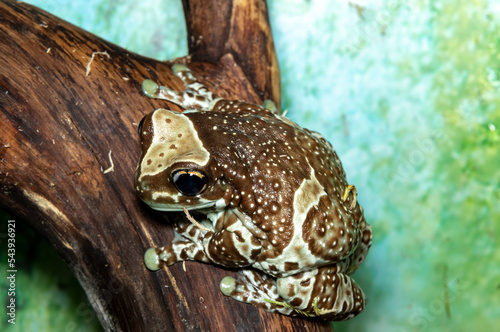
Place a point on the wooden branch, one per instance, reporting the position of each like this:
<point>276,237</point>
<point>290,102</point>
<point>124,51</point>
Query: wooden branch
<point>237,30</point>
<point>70,103</point>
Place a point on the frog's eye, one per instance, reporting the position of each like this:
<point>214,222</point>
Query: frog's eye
<point>189,182</point>
<point>139,129</point>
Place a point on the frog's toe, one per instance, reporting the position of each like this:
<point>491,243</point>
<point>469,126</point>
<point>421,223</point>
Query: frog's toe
<point>152,259</point>
<point>227,285</point>
<point>150,88</point>
<point>270,105</point>
<point>178,68</point>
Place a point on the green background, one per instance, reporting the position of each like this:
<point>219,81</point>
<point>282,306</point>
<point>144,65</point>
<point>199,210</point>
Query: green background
<point>408,94</point>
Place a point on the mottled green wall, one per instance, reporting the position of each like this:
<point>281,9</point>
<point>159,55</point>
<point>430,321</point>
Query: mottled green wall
<point>408,94</point>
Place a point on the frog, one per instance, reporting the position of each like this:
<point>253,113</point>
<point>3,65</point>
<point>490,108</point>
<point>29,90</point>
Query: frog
<point>259,194</point>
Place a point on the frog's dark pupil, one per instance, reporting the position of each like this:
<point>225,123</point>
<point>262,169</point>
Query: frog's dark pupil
<point>139,129</point>
<point>189,182</point>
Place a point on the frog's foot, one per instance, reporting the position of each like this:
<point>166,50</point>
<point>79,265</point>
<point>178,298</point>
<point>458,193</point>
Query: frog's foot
<point>325,293</point>
<point>194,97</point>
<point>255,288</point>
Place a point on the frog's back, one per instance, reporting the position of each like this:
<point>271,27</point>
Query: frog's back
<point>291,184</point>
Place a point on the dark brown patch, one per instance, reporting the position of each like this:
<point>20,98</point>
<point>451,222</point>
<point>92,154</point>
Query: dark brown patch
<point>367,236</point>
<point>305,283</point>
<point>183,255</point>
<point>199,256</point>
<point>345,305</point>
<point>167,120</point>
<point>238,236</point>
<point>172,147</point>
<point>273,268</point>
<point>291,266</point>
<point>296,302</point>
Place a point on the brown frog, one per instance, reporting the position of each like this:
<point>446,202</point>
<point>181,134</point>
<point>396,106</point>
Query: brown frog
<point>270,198</point>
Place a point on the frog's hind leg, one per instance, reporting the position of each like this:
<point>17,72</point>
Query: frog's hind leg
<point>194,97</point>
<point>255,288</point>
<point>327,292</point>
<point>364,244</point>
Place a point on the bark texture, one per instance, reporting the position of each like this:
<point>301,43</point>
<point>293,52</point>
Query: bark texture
<point>69,148</point>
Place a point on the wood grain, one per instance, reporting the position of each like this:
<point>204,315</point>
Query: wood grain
<point>62,127</point>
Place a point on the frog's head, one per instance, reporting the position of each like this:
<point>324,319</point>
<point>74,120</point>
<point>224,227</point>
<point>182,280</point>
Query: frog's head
<point>186,163</point>
<point>173,171</point>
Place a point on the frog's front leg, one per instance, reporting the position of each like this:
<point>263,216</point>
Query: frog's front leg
<point>156,258</point>
<point>195,95</point>
<point>187,246</point>
<point>232,245</point>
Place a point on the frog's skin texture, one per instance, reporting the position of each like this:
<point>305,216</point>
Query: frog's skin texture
<point>268,196</point>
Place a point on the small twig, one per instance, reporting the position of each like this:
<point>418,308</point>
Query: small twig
<point>197,224</point>
<point>289,306</point>
<point>112,167</point>
<point>87,72</point>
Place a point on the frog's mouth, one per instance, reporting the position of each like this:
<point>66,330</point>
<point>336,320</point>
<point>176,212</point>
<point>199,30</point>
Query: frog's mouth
<point>202,204</point>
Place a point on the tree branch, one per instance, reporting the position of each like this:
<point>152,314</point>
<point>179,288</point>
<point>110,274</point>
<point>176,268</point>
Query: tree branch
<point>66,120</point>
